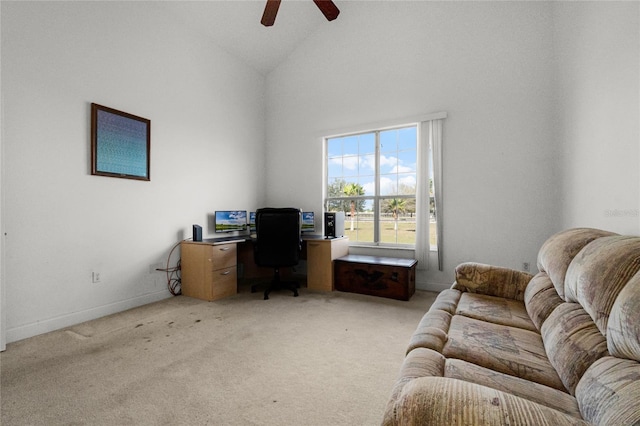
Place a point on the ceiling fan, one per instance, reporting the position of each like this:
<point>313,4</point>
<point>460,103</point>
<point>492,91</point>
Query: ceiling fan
<point>328,9</point>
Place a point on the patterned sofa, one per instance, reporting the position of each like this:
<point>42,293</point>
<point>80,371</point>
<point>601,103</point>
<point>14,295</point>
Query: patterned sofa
<point>503,347</point>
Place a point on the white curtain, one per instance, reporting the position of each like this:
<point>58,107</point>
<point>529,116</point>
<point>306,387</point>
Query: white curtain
<point>430,134</point>
<point>436,148</point>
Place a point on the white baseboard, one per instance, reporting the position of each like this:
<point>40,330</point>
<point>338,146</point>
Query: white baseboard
<point>52,324</point>
<point>436,287</point>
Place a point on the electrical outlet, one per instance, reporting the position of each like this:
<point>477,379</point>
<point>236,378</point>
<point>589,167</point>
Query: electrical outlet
<point>95,277</point>
<point>525,266</point>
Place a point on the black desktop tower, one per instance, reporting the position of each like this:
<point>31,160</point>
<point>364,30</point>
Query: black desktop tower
<point>197,233</point>
<point>333,224</point>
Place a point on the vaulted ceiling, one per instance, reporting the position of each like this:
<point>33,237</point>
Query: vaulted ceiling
<point>235,26</point>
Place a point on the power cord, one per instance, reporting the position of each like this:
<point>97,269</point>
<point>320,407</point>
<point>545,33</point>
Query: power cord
<point>173,273</point>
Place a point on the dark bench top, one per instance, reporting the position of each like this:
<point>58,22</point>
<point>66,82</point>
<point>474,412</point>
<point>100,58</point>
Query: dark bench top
<point>378,260</point>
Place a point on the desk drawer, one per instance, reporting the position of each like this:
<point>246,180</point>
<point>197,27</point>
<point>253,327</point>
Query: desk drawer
<point>223,283</point>
<point>223,255</point>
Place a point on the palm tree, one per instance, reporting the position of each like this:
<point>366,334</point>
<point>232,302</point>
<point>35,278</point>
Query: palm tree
<point>396,206</point>
<point>353,190</point>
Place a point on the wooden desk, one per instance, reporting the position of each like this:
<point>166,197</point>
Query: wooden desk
<point>320,255</point>
<point>209,269</point>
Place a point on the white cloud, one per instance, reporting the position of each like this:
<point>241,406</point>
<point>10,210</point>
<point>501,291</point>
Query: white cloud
<point>387,186</point>
<point>350,163</point>
<point>401,169</point>
<point>409,180</point>
<point>369,188</point>
<point>388,161</point>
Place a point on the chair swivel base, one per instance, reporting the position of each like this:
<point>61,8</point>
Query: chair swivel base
<point>276,284</point>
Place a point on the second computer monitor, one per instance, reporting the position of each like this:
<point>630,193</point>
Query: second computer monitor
<point>308,222</point>
<point>252,222</point>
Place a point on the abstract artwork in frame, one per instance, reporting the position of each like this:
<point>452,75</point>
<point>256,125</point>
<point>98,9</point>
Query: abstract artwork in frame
<point>120,144</point>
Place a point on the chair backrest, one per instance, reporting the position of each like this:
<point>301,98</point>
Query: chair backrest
<point>278,241</point>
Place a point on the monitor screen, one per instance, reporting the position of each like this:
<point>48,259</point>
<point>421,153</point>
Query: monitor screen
<point>231,220</point>
<point>252,221</point>
<point>308,222</point>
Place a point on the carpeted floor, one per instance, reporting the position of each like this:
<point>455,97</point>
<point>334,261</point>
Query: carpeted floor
<point>318,359</point>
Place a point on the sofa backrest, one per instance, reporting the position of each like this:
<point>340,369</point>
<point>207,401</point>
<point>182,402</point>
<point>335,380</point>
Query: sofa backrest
<point>623,328</point>
<point>591,327</point>
<point>558,251</point>
<point>609,391</point>
<point>599,272</point>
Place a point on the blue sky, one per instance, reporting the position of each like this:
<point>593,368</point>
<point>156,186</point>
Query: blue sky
<point>235,216</point>
<point>352,158</point>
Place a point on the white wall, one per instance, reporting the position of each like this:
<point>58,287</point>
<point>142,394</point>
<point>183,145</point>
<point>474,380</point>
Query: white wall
<point>598,73</point>
<point>487,64</point>
<point>207,130</point>
<point>530,105</point>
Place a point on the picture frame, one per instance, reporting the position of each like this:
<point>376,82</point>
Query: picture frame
<point>120,144</point>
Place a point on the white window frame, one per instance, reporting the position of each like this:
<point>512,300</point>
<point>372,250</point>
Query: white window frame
<point>379,127</point>
<point>375,198</point>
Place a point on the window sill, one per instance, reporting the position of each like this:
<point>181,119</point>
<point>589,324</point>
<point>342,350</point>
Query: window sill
<point>375,247</point>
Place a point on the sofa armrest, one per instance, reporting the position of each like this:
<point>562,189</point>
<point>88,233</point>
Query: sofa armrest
<point>446,401</point>
<point>491,280</point>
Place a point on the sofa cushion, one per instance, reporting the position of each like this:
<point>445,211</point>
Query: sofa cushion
<point>509,350</point>
<point>599,272</point>
<point>447,301</point>
<point>609,392</point>
<point>420,362</point>
<point>431,332</point>
<point>495,309</point>
<point>541,298</point>
<point>444,401</point>
<point>558,251</point>
<point>573,342</point>
<point>558,400</point>
<point>623,329</point>
<point>434,325</point>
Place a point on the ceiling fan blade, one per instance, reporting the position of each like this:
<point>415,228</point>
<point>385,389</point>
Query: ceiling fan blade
<point>329,9</point>
<point>270,12</point>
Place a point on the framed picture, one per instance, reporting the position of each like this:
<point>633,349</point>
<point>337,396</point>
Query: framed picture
<point>120,144</point>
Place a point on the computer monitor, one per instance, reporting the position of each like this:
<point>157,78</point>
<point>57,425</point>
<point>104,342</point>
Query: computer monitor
<point>230,220</point>
<point>308,222</point>
<point>252,222</point>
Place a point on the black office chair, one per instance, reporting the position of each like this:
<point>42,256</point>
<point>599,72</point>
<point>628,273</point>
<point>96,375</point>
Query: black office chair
<point>278,244</point>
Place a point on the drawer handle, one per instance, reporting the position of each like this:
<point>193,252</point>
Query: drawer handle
<point>225,273</point>
<point>225,248</point>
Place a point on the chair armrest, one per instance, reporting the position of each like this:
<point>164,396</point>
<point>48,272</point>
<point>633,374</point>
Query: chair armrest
<point>446,401</point>
<point>491,280</point>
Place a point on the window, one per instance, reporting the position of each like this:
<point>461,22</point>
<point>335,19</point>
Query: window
<point>372,178</point>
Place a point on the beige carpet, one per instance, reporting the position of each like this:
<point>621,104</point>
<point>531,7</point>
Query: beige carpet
<point>318,359</point>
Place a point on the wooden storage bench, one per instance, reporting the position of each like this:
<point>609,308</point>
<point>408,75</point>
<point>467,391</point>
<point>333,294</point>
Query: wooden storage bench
<point>376,276</point>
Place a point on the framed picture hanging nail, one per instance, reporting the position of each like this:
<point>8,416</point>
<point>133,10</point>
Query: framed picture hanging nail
<point>120,144</point>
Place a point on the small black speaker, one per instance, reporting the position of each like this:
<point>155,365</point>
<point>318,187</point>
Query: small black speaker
<point>197,233</point>
<point>333,224</point>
